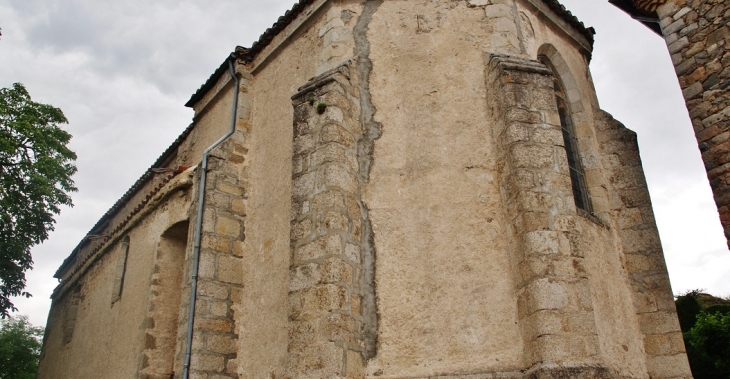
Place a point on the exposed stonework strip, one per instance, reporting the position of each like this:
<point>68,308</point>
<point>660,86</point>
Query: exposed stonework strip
<point>220,275</point>
<point>642,256</point>
<point>326,336</point>
<point>336,38</point>
<point>516,17</point>
<point>554,302</point>
<point>698,37</point>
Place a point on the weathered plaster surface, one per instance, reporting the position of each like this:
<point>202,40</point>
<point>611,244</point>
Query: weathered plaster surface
<point>264,305</point>
<point>108,339</point>
<point>444,285</point>
<point>457,251</point>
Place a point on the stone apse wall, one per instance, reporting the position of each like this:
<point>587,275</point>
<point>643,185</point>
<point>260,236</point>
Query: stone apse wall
<point>557,314</point>
<point>331,329</point>
<point>395,203</point>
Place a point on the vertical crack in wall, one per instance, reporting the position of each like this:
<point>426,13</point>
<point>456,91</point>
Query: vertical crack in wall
<point>518,25</point>
<point>372,130</point>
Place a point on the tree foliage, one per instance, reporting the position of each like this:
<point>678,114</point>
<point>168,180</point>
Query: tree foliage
<point>711,337</point>
<point>705,322</point>
<point>35,179</point>
<point>20,348</point>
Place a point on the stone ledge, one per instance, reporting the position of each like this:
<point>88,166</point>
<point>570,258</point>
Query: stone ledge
<point>514,63</point>
<point>539,372</point>
<point>575,372</point>
<point>319,81</point>
<point>491,375</point>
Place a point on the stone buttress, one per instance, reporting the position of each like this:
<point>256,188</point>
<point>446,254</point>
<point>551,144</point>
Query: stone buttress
<point>555,306</point>
<point>642,254</point>
<point>220,276</point>
<point>326,336</point>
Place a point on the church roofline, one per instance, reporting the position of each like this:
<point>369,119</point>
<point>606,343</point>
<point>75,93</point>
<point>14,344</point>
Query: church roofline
<point>648,18</point>
<point>119,204</point>
<point>565,14</point>
<point>249,54</point>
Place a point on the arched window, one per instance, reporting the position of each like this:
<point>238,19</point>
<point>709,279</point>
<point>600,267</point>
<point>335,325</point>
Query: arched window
<point>577,175</point>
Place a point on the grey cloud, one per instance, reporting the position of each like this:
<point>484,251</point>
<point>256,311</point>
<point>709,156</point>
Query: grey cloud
<point>172,44</point>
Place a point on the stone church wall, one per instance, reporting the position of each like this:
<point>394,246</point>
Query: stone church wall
<point>88,334</point>
<point>394,202</point>
<point>264,317</point>
<point>642,257</point>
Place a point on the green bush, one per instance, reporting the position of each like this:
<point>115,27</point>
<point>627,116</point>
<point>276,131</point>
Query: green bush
<point>705,323</point>
<point>20,348</point>
<point>710,336</point>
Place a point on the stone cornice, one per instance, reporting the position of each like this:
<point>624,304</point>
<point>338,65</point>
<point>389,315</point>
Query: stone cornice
<point>513,63</point>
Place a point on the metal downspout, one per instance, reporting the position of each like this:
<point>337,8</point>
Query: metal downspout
<point>199,219</point>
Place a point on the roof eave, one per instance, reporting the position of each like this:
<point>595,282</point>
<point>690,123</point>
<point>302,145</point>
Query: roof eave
<point>650,20</point>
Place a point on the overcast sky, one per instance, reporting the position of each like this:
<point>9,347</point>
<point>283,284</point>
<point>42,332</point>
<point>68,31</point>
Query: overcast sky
<point>122,70</point>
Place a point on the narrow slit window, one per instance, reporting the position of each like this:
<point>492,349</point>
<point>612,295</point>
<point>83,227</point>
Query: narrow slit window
<point>577,175</point>
<point>71,313</point>
<point>121,267</point>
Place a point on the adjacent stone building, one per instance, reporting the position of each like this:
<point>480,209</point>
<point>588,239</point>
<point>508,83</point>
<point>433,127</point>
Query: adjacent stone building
<point>697,33</point>
<point>382,189</point>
